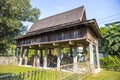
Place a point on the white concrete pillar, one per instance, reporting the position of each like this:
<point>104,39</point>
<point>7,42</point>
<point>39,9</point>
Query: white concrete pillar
<point>26,56</point>
<point>38,58</point>
<point>45,59</point>
<point>25,63</point>
<point>97,56</point>
<point>20,59</point>
<point>34,60</point>
<point>75,59</point>
<point>91,56</point>
<point>59,58</point>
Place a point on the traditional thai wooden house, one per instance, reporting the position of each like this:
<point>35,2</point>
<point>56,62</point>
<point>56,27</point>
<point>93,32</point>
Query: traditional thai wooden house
<point>68,29</point>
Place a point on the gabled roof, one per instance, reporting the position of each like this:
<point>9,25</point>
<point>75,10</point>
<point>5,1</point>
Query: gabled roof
<point>66,17</point>
<point>75,17</point>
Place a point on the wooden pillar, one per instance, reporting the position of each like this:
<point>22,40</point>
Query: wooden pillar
<point>91,56</point>
<point>71,52</point>
<point>59,58</point>
<point>45,59</point>
<point>20,59</point>
<point>41,57</point>
<point>17,52</point>
<point>75,59</point>
<point>50,52</point>
<point>97,57</point>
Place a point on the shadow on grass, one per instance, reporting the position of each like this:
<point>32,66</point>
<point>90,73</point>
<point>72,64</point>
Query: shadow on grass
<point>10,76</point>
<point>5,74</point>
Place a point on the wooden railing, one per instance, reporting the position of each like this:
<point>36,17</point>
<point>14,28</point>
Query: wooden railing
<point>33,75</point>
<point>71,34</point>
<point>65,72</point>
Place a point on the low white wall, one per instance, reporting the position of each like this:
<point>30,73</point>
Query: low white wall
<point>8,60</point>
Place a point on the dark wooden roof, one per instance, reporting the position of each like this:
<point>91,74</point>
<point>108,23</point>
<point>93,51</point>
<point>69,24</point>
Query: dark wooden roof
<point>66,17</point>
<point>90,23</point>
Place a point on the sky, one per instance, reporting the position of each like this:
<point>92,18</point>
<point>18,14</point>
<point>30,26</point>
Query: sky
<point>104,11</point>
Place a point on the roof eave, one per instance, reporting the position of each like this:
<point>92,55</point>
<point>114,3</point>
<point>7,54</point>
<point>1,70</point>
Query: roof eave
<point>67,25</point>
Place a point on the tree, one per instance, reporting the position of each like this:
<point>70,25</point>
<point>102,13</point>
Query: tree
<point>12,15</point>
<point>110,43</point>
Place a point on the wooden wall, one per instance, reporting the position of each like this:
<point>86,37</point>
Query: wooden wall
<point>91,36</point>
<point>55,36</point>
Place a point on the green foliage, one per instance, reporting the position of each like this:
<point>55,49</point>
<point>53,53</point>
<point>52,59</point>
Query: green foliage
<point>12,15</point>
<point>110,43</point>
<point>31,53</point>
<point>110,63</point>
<point>65,50</point>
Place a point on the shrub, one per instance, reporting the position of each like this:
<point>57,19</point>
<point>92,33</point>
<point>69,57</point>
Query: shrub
<point>110,63</point>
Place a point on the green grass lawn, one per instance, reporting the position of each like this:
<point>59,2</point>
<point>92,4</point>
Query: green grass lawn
<point>44,74</point>
<point>14,69</point>
<point>103,75</point>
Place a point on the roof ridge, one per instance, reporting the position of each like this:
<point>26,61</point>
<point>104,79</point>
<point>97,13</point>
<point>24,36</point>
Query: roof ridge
<point>60,18</point>
<point>61,13</point>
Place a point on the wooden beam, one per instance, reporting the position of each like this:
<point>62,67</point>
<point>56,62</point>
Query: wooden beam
<point>39,45</point>
<point>71,43</point>
<point>30,46</point>
<point>56,44</point>
<point>79,44</point>
<point>88,40</point>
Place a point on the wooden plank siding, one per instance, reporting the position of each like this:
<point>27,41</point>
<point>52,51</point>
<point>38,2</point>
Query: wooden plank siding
<point>54,36</point>
<point>91,36</point>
